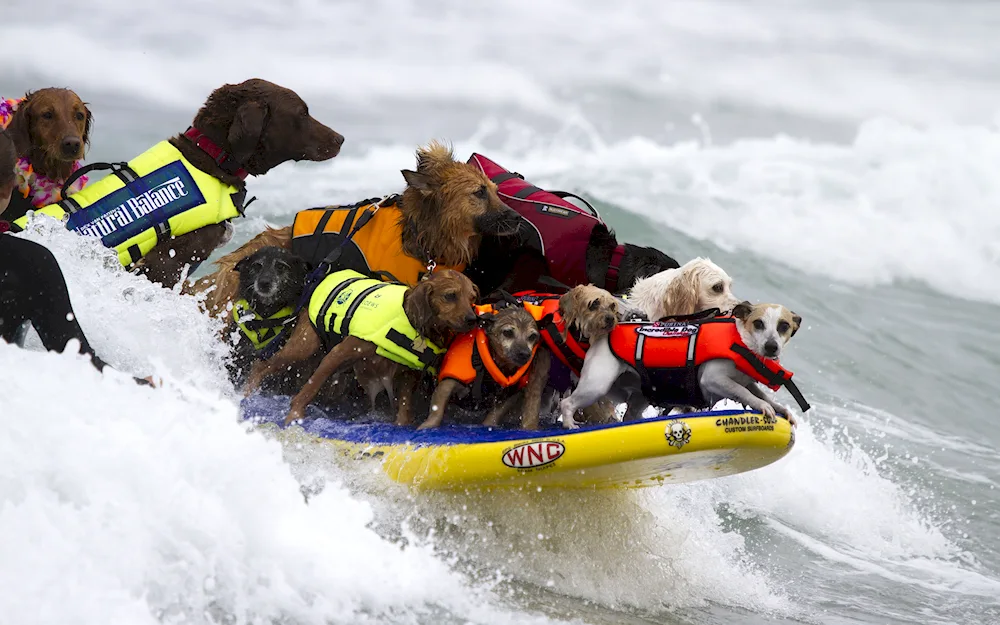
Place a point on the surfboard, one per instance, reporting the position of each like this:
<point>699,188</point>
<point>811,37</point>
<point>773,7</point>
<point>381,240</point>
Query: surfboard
<point>648,452</point>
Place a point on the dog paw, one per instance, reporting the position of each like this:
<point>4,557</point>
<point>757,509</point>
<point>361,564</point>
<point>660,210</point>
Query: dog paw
<point>293,415</point>
<point>569,423</point>
<point>768,411</point>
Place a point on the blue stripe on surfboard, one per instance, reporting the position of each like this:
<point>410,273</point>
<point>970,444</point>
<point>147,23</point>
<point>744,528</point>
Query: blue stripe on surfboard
<point>273,410</point>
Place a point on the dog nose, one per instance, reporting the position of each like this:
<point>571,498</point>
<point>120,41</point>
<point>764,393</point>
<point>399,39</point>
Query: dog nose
<point>771,348</point>
<point>522,356</point>
<point>609,321</point>
<point>470,319</point>
<point>264,285</point>
<point>338,139</point>
<point>71,146</point>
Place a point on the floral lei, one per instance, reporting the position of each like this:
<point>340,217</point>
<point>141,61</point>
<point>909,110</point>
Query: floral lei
<point>42,190</point>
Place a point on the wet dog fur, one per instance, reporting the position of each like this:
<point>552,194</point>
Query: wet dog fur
<point>262,125</point>
<point>271,279</point>
<point>439,307</point>
<point>51,127</point>
<point>698,285</point>
<point>513,338</point>
<point>764,328</point>
<point>446,208</point>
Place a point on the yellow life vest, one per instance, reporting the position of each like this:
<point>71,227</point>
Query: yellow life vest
<point>261,330</point>
<point>155,196</point>
<point>348,303</point>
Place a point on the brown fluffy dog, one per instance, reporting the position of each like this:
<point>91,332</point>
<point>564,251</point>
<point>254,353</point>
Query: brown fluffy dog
<point>589,313</point>
<point>446,207</point>
<point>261,125</point>
<point>512,336</point>
<point>438,308</point>
<point>51,128</point>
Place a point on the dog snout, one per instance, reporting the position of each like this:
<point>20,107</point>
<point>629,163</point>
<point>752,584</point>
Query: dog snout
<point>71,146</point>
<point>609,322</point>
<point>265,286</point>
<point>325,145</point>
<point>470,320</point>
<point>521,356</point>
<point>771,348</point>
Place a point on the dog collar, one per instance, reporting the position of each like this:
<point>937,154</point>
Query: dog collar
<point>223,159</point>
<point>611,280</point>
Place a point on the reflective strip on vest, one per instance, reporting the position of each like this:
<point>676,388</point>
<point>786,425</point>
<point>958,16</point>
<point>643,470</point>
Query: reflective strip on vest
<point>348,303</point>
<point>172,197</point>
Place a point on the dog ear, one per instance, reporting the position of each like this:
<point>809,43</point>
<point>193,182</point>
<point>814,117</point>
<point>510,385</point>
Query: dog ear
<point>796,323</point>
<point>742,310</point>
<point>569,308</point>
<point>682,295</point>
<point>417,306</point>
<point>420,182</point>
<point>241,265</point>
<point>87,126</point>
<point>246,129</point>
<point>19,128</point>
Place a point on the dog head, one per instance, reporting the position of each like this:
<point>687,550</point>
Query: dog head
<point>264,125</point>
<point>271,278</point>
<point>591,310</point>
<point>766,328</point>
<point>448,205</point>
<point>642,262</point>
<point>51,127</point>
<point>513,336</point>
<point>442,305</point>
<point>699,285</point>
<point>8,160</point>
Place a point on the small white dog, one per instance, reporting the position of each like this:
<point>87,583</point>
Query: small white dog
<point>697,285</point>
<point>690,363</point>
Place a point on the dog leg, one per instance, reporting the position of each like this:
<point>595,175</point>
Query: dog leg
<point>637,405</point>
<point>722,386</point>
<point>501,410</point>
<point>600,370</point>
<point>439,401</point>
<point>408,379</point>
<point>778,408</point>
<point>538,377</point>
<point>350,350</point>
<point>600,412</point>
<point>303,343</point>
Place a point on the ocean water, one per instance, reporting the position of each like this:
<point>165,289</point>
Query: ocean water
<point>836,157</point>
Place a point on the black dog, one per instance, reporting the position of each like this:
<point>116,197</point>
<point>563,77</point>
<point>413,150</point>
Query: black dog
<point>270,287</point>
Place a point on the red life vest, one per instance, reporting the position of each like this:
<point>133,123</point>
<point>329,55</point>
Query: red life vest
<point>560,229</point>
<point>468,360</point>
<point>544,307</point>
<point>667,355</point>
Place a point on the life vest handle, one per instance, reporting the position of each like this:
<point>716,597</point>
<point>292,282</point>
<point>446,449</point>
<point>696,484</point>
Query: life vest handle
<point>565,194</point>
<point>122,170</point>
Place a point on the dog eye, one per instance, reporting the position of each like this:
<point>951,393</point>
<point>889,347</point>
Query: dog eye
<point>782,327</point>
<point>282,265</point>
<point>80,116</point>
<point>480,193</point>
<point>533,337</point>
<point>47,115</point>
<point>594,304</point>
<point>508,333</point>
<point>718,287</point>
<point>758,324</point>
<point>451,296</point>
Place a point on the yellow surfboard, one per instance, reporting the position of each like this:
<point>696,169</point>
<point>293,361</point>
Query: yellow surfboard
<point>648,452</point>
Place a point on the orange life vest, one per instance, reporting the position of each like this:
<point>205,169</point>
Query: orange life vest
<point>468,360</point>
<point>667,355</point>
<point>369,237</point>
<point>544,307</point>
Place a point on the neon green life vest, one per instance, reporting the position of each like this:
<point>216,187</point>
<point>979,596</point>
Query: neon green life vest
<point>349,303</point>
<point>261,331</point>
<point>155,196</point>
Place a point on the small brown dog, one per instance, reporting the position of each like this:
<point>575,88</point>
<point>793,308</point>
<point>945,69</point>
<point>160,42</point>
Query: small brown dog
<point>496,366</point>
<point>361,321</point>
<point>585,313</point>
<point>51,129</point>
<point>440,217</point>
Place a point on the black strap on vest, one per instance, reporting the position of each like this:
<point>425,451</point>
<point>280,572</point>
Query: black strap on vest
<point>345,324</point>
<point>775,379</point>
<point>125,173</point>
<point>504,177</point>
<point>526,191</point>
<point>427,357</point>
<point>548,325</point>
<point>331,338</point>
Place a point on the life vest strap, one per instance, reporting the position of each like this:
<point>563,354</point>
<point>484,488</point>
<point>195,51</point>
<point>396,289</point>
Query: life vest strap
<point>564,351</point>
<point>504,177</point>
<point>122,170</point>
<point>429,359</point>
<point>614,269</point>
<point>256,324</point>
<point>326,329</point>
<point>345,325</point>
<point>773,378</point>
